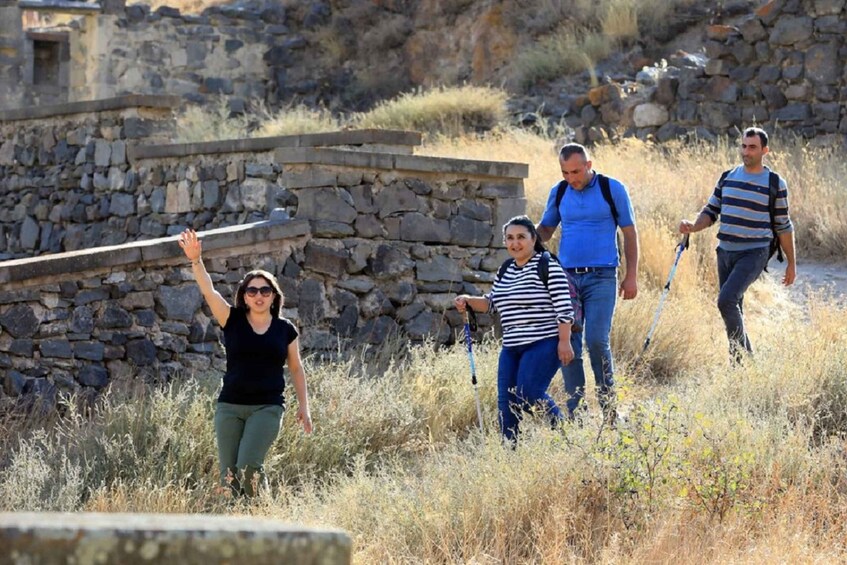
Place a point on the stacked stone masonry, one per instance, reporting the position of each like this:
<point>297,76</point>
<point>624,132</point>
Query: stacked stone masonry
<point>226,52</point>
<point>780,68</point>
<point>65,180</point>
<point>367,244</point>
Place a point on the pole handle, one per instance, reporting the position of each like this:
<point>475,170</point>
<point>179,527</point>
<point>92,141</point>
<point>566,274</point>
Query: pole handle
<point>685,241</point>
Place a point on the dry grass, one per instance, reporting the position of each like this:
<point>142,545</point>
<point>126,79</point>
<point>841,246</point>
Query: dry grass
<point>564,52</point>
<point>442,111</point>
<point>212,122</point>
<point>450,111</point>
<point>295,120</point>
<point>573,35</point>
<point>184,6</point>
<point>711,464</point>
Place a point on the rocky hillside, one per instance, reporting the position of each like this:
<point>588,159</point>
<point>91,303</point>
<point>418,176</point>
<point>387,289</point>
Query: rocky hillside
<point>348,54</point>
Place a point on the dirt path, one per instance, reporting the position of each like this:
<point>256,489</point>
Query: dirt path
<point>829,278</point>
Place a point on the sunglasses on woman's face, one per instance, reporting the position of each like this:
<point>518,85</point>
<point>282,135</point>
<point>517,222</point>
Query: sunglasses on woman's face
<point>254,290</point>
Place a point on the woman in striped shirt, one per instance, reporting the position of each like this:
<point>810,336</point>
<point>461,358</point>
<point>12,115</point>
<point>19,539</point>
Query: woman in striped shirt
<point>536,319</point>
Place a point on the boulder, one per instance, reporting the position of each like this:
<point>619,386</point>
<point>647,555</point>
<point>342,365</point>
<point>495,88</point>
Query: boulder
<point>650,115</point>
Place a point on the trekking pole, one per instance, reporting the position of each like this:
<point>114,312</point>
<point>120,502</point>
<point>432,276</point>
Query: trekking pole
<point>683,245</point>
<point>469,343</point>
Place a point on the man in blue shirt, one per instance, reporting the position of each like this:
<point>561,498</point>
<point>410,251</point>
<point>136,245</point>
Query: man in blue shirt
<point>590,208</point>
<point>742,201</point>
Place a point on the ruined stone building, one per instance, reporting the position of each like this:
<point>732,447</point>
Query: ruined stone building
<point>68,51</point>
<point>780,66</point>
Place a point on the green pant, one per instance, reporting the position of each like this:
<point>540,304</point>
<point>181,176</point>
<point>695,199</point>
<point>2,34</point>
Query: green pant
<point>245,434</point>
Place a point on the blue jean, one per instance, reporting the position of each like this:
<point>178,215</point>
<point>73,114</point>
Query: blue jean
<point>736,272</point>
<point>523,376</point>
<point>245,434</point>
<point>598,293</point>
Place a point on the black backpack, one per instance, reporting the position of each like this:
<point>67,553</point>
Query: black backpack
<point>773,189</point>
<point>543,267</point>
<point>544,274</point>
<point>604,188</point>
<point>607,196</point>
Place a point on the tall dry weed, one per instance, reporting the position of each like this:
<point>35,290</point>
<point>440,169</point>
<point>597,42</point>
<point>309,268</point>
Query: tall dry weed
<point>450,111</point>
<point>709,463</point>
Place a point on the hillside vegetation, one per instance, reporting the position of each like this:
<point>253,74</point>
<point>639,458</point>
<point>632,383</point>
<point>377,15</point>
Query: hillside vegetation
<point>379,49</point>
<point>711,463</point>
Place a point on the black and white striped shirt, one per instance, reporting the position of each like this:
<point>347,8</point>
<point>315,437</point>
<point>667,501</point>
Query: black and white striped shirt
<point>530,311</point>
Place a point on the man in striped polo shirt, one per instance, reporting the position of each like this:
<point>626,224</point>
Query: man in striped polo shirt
<point>741,201</point>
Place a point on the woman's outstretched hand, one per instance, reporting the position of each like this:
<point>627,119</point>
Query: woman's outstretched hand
<point>191,245</point>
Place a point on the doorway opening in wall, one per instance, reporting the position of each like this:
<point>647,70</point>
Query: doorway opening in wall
<point>45,63</point>
<point>47,66</point>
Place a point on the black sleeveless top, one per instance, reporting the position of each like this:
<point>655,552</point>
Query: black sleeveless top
<point>254,362</point>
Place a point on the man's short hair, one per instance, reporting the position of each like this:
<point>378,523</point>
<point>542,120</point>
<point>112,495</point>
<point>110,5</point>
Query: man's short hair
<point>763,136</point>
<point>570,149</point>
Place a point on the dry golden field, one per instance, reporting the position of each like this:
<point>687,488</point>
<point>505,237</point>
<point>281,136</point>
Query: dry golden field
<point>711,464</point>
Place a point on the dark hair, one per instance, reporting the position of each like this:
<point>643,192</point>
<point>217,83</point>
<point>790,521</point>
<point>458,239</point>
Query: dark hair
<point>570,149</point>
<point>279,299</point>
<point>527,223</point>
<point>763,136</point>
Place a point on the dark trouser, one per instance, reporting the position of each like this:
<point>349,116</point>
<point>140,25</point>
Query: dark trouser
<point>245,434</point>
<point>598,293</point>
<point>523,376</point>
<point>736,272</point>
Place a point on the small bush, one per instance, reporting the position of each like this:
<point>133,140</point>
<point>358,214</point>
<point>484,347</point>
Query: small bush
<point>295,120</point>
<point>212,122</point>
<point>565,52</point>
<point>620,21</point>
<point>444,110</point>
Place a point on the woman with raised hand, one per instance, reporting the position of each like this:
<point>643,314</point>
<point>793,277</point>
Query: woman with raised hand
<point>536,317</point>
<point>259,343</point>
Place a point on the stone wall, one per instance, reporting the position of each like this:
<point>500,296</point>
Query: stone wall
<point>73,321</point>
<point>222,52</point>
<point>65,180</point>
<point>781,67</point>
<point>235,53</point>
<point>343,55</point>
<point>11,55</point>
<point>368,240</point>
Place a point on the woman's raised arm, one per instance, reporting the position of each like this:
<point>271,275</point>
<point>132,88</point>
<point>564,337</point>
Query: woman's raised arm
<point>193,249</point>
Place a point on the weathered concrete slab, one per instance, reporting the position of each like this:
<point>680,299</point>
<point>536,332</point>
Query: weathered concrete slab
<point>60,6</point>
<point>188,539</point>
<point>435,165</point>
<point>354,139</point>
<point>18,270</point>
<point>118,103</point>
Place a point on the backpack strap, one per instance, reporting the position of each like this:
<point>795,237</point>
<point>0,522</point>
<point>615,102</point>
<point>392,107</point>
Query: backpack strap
<point>544,267</point>
<point>773,185</point>
<point>560,192</point>
<point>504,267</point>
<point>605,189</point>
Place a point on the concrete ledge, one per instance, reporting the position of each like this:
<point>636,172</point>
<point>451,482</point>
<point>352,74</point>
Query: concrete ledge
<point>190,539</point>
<point>385,161</point>
<point>348,138</point>
<point>119,103</point>
<point>60,6</point>
<point>158,249</point>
